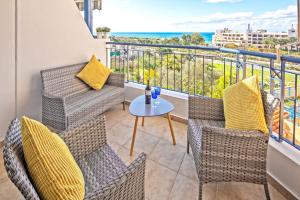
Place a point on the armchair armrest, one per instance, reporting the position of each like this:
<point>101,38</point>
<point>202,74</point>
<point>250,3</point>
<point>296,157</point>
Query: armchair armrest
<point>53,112</point>
<point>86,138</point>
<point>206,108</point>
<point>130,183</point>
<point>116,79</point>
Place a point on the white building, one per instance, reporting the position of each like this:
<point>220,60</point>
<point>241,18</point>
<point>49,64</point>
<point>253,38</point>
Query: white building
<point>292,32</point>
<point>257,38</point>
<point>249,37</point>
<point>227,36</point>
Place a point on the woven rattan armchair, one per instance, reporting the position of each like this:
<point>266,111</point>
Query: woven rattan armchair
<point>226,155</point>
<point>68,101</point>
<point>105,174</point>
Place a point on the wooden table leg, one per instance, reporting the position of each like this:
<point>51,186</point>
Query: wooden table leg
<point>171,128</point>
<point>134,134</point>
<point>143,121</point>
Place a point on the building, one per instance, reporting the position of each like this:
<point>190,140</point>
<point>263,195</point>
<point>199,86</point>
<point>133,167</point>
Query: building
<point>96,4</point>
<point>292,32</point>
<point>224,37</point>
<point>257,38</point>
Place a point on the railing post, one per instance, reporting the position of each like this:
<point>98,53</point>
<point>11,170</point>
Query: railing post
<point>272,82</point>
<point>244,66</point>
<point>237,68</point>
<point>128,66</point>
<point>282,97</point>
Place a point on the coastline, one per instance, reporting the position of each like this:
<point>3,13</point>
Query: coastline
<point>162,35</point>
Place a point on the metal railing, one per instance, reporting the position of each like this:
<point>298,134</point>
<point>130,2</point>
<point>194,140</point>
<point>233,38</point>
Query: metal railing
<point>206,71</point>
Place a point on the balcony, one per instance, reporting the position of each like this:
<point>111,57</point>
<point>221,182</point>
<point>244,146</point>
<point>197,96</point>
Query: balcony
<point>179,70</point>
<point>170,171</point>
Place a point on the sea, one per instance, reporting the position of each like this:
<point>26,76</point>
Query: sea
<point>206,35</point>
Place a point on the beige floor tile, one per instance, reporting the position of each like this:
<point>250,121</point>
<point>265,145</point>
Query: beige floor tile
<point>119,134</point>
<point>8,191</point>
<point>184,189</point>
<point>124,155</point>
<point>167,154</point>
<point>128,119</point>
<point>188,167</point>
<point>144,142</point>
<point>157,126</point>
<point>275,195</point>
<point>243,191</point>
<point>114,146</point>
<point>3,174</point>
<point>159,181</point>
<point>115,113</point>
<point>180,131</point>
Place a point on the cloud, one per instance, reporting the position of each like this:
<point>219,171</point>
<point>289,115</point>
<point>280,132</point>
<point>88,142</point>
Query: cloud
<point>223,1</point>
<point>277,20</point>
<point>219,18</point>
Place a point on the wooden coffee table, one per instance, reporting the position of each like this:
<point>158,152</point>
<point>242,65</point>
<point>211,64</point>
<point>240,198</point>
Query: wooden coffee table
<point>138,108</point>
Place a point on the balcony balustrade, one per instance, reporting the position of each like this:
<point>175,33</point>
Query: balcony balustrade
<point>208,71</point>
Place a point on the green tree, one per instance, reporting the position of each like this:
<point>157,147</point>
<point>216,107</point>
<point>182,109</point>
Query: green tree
<point>270,42</point>
<point>197,39</point>
<point>186,39</point>
<point>231,46</point>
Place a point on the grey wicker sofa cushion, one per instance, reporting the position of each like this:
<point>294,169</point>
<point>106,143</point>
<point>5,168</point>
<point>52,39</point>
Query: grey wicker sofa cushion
<point>99,168</point>
<point>89,99</point>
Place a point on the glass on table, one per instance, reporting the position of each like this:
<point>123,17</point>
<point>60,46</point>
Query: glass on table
<point>157,92</point>
<point>154,97</point>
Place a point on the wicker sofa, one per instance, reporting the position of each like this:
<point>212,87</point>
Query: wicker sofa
<point>68,102</point>
<point>225,155</point>
<point>105,174</point>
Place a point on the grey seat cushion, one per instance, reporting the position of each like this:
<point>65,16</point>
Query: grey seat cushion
<point>91,104</point>
<point>83,100</point>
<point>100,168</point>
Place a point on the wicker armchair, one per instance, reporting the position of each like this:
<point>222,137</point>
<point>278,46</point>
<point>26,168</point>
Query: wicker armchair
<point>69,102</point>
<point>225,155</point>
<point>106,176</point>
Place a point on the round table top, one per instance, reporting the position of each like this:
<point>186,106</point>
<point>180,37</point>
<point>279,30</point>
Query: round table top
<point>140,109</point>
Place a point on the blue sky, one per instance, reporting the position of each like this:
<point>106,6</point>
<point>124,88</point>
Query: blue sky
<point>195,15</point>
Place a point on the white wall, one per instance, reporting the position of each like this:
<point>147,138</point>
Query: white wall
<point>50,34</point>
<point>7,65</point>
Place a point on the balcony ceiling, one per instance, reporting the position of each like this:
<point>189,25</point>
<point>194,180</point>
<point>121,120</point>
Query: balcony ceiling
<point>96,4</point>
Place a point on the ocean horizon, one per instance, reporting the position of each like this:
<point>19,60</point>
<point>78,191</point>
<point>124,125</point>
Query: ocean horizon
<point>206,35</point>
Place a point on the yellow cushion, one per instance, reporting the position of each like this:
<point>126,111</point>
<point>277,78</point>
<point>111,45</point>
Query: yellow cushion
<point>94,74</point>
<point>243,106</point>
<point>51,166</point>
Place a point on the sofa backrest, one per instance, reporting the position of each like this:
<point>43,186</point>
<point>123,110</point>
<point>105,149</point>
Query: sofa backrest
<point>62,81</point>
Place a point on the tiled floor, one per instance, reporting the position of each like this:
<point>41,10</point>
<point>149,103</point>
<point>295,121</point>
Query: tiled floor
<point>170,172</point>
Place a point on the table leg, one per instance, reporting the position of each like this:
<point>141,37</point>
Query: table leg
<point>134,134</point>
<point>143,121</point>
<point>171,128</point>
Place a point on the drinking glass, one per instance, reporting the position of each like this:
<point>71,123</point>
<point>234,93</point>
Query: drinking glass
<point>154,97</point>
<point>157,92</point>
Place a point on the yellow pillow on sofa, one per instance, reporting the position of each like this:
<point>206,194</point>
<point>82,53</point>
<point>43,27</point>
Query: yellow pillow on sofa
<point>94,74</point>
<point>243,106</point>
<point>51,166</point>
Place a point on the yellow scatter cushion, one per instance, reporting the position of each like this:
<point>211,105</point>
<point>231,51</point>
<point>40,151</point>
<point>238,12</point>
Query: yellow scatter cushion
<point>52,168</point>
<point>94,74</point>
<point>243,106</point>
